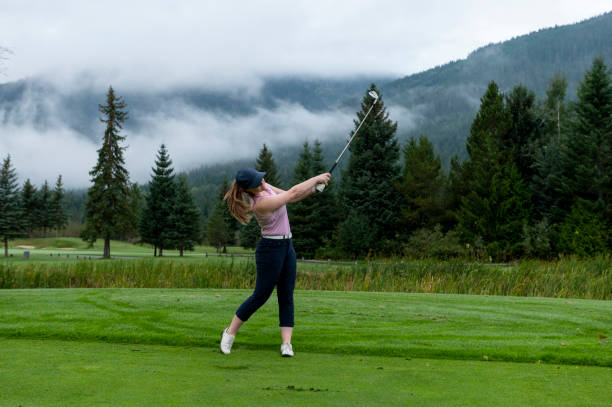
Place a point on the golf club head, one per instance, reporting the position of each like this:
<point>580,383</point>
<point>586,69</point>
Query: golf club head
<point>374,95</point>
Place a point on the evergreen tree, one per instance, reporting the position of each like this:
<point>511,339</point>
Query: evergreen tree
<point>497,203</point>
<point>218,231</point>
<point>156,226</point>
<point>265,163</point>
<point>421,186</point>
<point>136,205</point>
<point>588,161</point>
<point>300,213</point>
<point>587,158</point>
<point>250,232</point>
<point>29,199</point>
<point>185,218</point>
<point>12,223</point>
<point>45,208</point>
<point>325,209</point>
<point>368,183</point>
<point>551,195</point>
<point>59,218</point>
<point>108,197</point>
<point>525,130</point>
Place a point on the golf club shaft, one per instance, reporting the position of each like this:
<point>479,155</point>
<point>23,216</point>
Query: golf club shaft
<point>321,187</point>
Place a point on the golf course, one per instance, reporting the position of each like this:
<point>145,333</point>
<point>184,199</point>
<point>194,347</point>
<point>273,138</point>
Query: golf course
<point>160,346</point>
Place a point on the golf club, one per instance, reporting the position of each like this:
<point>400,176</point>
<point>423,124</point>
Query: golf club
<point>321,187</point>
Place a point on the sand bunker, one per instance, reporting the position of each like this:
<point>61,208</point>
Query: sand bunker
<point>25,247</point>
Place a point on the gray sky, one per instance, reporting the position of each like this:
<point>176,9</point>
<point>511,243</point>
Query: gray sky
<point>230,45</point>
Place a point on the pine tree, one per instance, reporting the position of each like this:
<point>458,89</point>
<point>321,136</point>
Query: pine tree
<point>108,197</point>
<point>265,163</point>
<point>59,218</point>
<point>589,146</point>
<point>588,152</point>
<point>136,205</point>
<point>29,198</point>
<point>12,223</point>
<point>156,226</point>
<point>368,183</point>
<point>497,199</point>
<point>324,205</point>
<point>218,233</point>
<point>300,212</point>
<point>185,218</point>
<point>45,208</point>
<point>525,131</point>
<point>551,196</point>
<point>421,186</point>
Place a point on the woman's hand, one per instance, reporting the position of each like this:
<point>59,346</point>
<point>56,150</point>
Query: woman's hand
<point>323,178</point>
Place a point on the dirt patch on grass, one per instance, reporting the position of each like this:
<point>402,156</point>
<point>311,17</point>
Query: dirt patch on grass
<point>26,247</point>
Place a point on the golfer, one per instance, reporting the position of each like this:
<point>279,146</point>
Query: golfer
<point>274,255</point>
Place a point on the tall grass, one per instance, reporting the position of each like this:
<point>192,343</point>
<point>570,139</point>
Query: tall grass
<point>565,278</point>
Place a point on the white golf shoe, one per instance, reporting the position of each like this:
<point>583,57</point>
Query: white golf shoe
<point>227,341</point>
<point>286,350</point>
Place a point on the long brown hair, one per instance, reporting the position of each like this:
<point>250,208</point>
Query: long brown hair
<point>236,204</point>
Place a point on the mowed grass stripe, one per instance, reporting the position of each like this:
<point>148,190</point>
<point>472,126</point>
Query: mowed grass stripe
<point>565,331</point>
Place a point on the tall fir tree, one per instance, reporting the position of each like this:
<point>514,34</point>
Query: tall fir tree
<point>108,197</point>
<point>12,223</point>
<point>368,182</point>
<point>45,208</point>
<point>185,218</point>
<point>301,213</point>
<point>250,232</point>
<point>136,204</point>
<point>324,207</point>
<point>59,216</point>
<point>548,185</point>
<point>29,199</point>
<point>588,152</point>
<point>156,226</point>
<point>497,199</point>
<point>421,187</point>
<point>525,131</point>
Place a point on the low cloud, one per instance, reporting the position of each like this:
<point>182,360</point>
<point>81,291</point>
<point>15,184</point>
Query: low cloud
<point>193,138</point>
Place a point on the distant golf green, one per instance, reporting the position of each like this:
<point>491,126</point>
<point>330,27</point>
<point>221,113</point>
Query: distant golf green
<point>159,347</point>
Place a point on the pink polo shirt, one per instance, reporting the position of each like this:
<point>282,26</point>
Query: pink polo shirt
<point>274,223</point>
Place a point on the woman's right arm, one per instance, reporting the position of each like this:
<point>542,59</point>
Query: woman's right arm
<point>298,192</point>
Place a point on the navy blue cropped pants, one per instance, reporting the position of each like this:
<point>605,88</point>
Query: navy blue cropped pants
<point>276,264</point>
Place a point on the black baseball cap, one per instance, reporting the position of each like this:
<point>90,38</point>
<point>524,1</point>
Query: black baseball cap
<point>249,178</point>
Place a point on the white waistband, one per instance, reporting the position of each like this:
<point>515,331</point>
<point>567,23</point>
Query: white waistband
<point>281,237</point>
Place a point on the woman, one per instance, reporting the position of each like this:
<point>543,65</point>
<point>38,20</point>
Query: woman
<point>274,255</point>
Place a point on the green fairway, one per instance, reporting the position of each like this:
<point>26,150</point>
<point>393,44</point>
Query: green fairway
<point>59,373</point>
<point>160,347</point>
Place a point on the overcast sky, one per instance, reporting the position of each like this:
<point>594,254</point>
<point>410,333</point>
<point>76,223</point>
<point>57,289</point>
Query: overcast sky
<point>229,44</point>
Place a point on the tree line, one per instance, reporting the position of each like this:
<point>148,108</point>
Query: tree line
<point>537,182</point>
<point>29,211</point>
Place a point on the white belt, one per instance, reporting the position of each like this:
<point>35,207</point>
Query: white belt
<point>280,237</point>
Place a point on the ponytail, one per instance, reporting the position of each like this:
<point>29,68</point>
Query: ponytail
<point>236,205</point>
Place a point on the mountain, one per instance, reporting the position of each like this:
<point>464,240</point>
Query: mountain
<point>446,98</point>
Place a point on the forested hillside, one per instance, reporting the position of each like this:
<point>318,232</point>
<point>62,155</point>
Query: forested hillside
<point>447,97</point>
